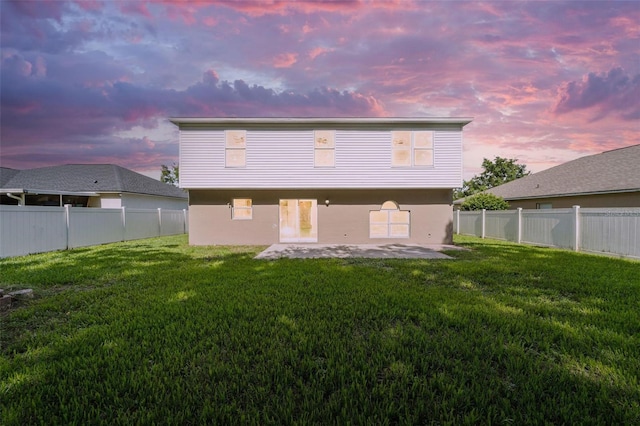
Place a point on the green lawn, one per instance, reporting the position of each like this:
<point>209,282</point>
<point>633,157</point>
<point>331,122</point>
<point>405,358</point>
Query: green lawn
<point>155,331</point>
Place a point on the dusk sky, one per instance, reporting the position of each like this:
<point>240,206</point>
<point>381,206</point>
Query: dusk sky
<point>95,82</point>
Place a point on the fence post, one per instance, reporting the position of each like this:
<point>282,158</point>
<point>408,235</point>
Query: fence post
<point>484,216</point>
<point>159,221</point>
<point>576,228</point>
<point>66,218</point>
<point>519,225</point>
<point>184,221</point>
<point>458,222</point>
<point>124,225</point>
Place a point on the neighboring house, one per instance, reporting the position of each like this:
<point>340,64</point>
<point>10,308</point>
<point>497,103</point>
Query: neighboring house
<point>324,180</point>
<point>609,179</point>
<point>87,185</point>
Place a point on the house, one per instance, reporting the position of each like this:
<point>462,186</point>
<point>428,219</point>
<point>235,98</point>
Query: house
<point>88,185</point>
<point>608,179</point>
<point>324,180</point>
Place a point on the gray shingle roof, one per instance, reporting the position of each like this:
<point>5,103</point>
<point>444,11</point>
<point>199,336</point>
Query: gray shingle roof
<point>611,171</point>
<point>107,178</point>
<point>6,175</point>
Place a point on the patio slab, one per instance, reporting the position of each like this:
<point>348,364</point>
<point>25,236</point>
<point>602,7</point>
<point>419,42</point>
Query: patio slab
<point>371,251</point>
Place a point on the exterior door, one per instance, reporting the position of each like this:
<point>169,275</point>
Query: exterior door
<point>298,221</point>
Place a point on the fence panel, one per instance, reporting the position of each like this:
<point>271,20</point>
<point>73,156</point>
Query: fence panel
<point>31,229</point>
<point>172,222</point>
<point>502,225</point>
<point>552,227</point>
<point>471,223</point>
<point>141,223</point>
<point>614,231</point>
<point>89,227</point>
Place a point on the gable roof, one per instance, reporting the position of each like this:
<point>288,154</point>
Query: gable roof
<point>85,178</point>
<point>609,172</point>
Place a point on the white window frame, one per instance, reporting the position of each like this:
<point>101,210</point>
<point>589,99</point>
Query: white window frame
<point>390,207</point>
<point>235,143</point>
<point>236,208</point>
<point>412,144</point>
<point>324,145</point>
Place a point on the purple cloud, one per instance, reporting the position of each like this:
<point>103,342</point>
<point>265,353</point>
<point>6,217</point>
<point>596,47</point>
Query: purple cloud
<point>611,92</point>
<point>98,79</point>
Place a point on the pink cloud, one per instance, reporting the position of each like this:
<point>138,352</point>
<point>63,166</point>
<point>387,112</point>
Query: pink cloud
<point>137,7</point>
<point>70,71</point>
<point>89,5</point>
<point>317,51</point>
<point>285,60</point>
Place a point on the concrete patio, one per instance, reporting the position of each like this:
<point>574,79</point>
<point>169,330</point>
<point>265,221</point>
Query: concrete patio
<point>371,251</point>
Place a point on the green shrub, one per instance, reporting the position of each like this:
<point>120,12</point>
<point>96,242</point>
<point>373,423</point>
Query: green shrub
<point>486,201</point>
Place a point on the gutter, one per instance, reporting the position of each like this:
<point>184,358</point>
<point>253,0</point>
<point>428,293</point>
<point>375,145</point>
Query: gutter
<point>20,198</point>
<point>334,123</point>
<point>572,194</point>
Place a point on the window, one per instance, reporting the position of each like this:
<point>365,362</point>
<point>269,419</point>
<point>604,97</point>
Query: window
<point>242,209</point>
<point>389,222</point>
<point>401,149</point>
<point>235,148</point>
<point>411,148</point>
<point>324,148</point>
<point>543,206</point>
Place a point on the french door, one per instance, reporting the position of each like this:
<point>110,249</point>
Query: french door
<point>298,221</point>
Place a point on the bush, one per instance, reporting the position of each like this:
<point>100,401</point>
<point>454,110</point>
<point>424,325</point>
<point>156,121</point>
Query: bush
<point>486,201</point>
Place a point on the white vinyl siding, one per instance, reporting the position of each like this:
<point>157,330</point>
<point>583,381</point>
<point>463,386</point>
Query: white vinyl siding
<point>286,159</point>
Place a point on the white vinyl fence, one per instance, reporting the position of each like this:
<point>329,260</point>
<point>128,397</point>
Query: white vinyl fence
<point>614,231</point>
<point>36,229</point>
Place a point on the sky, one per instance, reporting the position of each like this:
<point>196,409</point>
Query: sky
<point>96,81</point>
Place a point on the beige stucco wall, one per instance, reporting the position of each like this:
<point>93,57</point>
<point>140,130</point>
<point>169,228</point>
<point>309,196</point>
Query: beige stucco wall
<point>626,199</point>
<point>345,220</point>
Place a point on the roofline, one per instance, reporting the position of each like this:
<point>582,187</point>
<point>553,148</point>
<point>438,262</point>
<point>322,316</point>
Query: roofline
<point>47,192</point>
<point>573,194</point>
<point>81,193</point>
<point>536,197</point>
<point>299,121</point>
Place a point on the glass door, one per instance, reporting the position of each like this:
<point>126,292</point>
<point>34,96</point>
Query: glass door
<point>298,221</point>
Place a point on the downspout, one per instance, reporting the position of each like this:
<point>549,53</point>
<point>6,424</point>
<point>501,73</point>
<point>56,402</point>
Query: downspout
<point>20,198</point>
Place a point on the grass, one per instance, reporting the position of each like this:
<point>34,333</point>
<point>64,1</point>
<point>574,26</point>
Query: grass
<point>155,331</point>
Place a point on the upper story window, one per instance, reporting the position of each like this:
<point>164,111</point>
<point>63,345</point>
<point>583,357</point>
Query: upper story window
<point>411,148</point>
<point>324,148</point>
<point>235,148</point>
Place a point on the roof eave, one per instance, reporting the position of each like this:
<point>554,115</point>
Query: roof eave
<point>572,194</point>
<point>293,122</point>
<point>47,192</point>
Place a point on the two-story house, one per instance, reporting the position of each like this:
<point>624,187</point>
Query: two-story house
<point>324,180</point>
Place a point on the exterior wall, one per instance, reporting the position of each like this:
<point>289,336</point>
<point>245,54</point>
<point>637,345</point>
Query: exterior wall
<point>108,201</point>
<point>139,201</point>
<point>277,158</point>
<point>345,220</point>
<point>626,199</point>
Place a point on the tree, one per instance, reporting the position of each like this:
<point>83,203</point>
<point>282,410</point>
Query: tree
<point>484,200</point>
<point>495,173</point>
<point>170,174</point>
